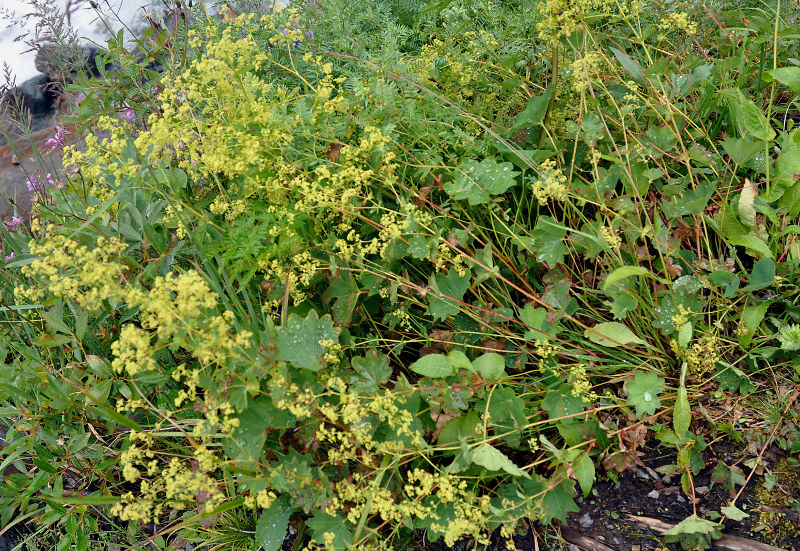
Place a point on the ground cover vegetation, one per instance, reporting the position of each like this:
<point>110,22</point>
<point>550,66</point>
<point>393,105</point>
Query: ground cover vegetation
<point>388,267</point>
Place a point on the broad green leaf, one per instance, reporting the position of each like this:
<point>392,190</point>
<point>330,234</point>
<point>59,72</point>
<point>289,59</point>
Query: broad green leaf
<point>752,316</point>
<point>534,111</point>
<point>733,512</point>
<point>548,241</point>
<point>625,272</point>
<point>693,525</point>
<point>372,370</point>
<point>755,121</point>
<point>491,458</point>
<point>747,213</point>
<point>558,501</point>
<point>741,150</point>
<point>434,366</point>
<point>459,360</point>
<point>343,292</point>
<point>418,247</point>
<point>762,275</point>
<point>478,182</point>
<point>728,476</point>
<point>685,335</point>
<point>643,392</point>
<point>630,65</point>
<point>273,523</point>
<point>491,366</point>
<point>561,404</point>
<point>790,76</point>
<point>751,242</point>
<point>247,439</point>
<point>682,415</point>
<point>322,523</point>
<point>611,334</point>
<point>453,287</point>
<point>583,467</point>
<point>298,342</point>
<point>728,281</point>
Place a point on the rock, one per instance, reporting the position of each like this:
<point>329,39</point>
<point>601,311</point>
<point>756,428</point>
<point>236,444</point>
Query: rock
<point>681,499</point>
<point>36,95</point>
<point>586,520</point>
<point>701,490</point>
<point>52,59</point>
<point>654,494</point>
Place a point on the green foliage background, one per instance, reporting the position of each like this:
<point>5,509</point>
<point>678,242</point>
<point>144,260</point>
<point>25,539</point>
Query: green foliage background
<point>388,267</point>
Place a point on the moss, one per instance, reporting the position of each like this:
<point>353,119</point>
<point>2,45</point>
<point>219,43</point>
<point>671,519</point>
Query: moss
<point>773,513</point>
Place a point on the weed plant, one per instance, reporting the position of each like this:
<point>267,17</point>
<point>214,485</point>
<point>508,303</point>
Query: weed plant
<point>386,267</point>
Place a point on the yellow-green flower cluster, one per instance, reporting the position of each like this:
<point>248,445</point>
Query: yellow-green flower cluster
<point>677,21</point>
<point>551,183</point>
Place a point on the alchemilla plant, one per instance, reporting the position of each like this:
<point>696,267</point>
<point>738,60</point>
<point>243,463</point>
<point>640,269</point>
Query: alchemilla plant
<point>387,268</point>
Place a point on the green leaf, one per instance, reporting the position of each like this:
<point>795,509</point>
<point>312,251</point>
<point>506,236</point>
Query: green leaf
<point>643,392</point>
<point>489,457</point>
<point>733,512</point>
<point>557,502</point>
<point>548,241</point>
<point>418,247</point>
<point>747,213</point>
<point>298,342</point>
<point>491,366</point>
<point>728,281</point>
<point>611,334</point>
<point>630,65</point>
<point>372,370</point>
<point>561,404</point>
<point>343,292</point>
<point>682,416</point>
<point>762,275</point>
<point>624,272</point>
<point>322,523</point>
<point>751,242</point>
<point>248,438</point>
<point>434,366</point>
<point>453,286</point>
<point>752,316</point>
<point>459,360</point>
<point>790,76</point>
<point>741,150</point>
<point>693,525</point>
<point>273,523</point>
<point>583,467</point>
<point>728,477</point>
<point>755,121</point>
<point>477,182</point>
<point>534,111</point>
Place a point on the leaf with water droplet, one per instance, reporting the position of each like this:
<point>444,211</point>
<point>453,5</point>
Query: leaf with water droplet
<point>643,392</point>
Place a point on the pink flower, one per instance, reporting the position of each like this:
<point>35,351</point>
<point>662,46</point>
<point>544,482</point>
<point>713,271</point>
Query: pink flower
<point>34,184</point>
<point>15,222</point>
<point>10,256</point>
<point>58,138</point>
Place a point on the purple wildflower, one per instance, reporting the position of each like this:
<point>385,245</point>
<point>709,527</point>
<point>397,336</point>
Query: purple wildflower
<point>58,138</point>
<point>130,114</point>
<point>10,256</point>
<point>310,34</point>
<point>14,223</point>
<point>50,180</point>
<point>34,184</point>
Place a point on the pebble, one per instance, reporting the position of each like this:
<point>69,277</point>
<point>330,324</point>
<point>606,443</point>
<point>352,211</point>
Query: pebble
<point>586,520</point>
<point>681,499</point>
<point>654,494</point>
<point>701,490</point>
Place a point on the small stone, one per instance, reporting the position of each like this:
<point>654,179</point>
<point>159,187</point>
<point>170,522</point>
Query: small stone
<point>652,473</point>
<point>667,479</point>
<point>586,520</point>
<point>641,473</point>
<point>681,499</point>
<point>654,494</point>
<point>701,490</point>
<point>15,159</point>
